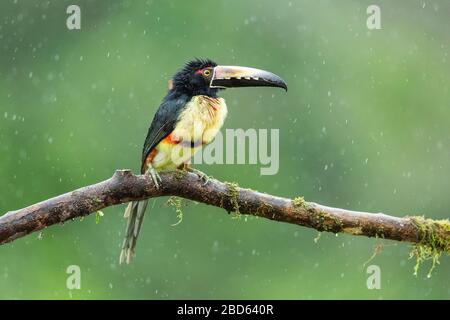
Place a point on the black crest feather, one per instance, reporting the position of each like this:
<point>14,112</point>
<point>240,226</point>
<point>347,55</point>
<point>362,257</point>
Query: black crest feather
<point>198,63</point>
<point>185,80</point>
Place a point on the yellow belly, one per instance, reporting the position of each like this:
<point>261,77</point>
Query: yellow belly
<point>197,125</point>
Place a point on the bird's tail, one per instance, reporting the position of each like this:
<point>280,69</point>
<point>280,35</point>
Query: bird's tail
<point>135,213</point>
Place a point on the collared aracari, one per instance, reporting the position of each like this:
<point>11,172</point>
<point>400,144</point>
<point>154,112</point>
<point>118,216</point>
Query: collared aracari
<point>190,116</point>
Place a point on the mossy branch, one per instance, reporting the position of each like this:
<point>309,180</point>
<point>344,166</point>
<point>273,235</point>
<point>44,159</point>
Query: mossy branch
<point>430,237</point>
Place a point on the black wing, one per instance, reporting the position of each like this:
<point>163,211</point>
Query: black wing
<point>164,121</point>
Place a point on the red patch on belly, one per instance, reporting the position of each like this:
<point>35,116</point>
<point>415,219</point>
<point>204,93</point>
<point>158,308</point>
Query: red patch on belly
<point>171,139</point>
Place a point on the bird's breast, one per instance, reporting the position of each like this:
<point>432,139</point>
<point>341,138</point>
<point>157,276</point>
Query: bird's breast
<point>197,125</point>
<point>200,121</point>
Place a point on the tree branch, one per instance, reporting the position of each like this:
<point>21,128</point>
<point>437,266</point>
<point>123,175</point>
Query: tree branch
<point>125,186</point>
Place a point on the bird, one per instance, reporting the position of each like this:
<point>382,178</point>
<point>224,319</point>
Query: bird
<point>189,117</point>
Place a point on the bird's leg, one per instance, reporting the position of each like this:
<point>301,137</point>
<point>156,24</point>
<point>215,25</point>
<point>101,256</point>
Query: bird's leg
<point>203,176</point>
<point>154,175</point>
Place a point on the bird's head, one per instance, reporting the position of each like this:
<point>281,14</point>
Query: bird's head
<point>205,77</point>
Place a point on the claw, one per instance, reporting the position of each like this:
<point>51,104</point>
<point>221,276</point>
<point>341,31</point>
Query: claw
<point>155,177</point>
<point>203,176</point>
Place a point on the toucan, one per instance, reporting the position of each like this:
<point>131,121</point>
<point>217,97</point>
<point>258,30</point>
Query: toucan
<point>189,117</point>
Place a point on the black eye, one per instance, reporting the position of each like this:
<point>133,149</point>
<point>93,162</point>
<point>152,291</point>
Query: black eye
<point>207,72</point>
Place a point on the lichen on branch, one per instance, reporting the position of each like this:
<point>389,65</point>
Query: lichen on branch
<point>434,240</point>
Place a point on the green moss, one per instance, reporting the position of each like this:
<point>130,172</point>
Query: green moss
<point>376,231</point>
<point>265,209</point>
<point>98,215</point>
<point>321,220</point>
<point>380,232</point>
<point>434,240</point>
<point>299,202</point>
<point>324,221</point>
<point>180,174</point>
<point>233,194</point>
<point>177,204</point>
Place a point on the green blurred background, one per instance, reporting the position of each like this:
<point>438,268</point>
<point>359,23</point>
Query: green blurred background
<point>365,125</point>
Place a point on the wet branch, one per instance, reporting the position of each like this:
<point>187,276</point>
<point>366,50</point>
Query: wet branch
<point>124,186</point>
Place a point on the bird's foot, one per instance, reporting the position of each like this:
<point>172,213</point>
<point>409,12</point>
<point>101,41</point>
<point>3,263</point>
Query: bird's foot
<point>156,178</point>
<point>203,176</point>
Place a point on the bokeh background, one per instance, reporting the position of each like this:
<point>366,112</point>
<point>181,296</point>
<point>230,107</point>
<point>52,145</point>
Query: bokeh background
<point>365,125</point>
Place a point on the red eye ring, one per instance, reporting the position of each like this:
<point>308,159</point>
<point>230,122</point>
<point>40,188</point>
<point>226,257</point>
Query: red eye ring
<point>205,71</point>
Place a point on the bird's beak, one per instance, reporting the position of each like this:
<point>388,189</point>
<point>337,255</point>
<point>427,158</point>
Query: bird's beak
<point>233,76</point>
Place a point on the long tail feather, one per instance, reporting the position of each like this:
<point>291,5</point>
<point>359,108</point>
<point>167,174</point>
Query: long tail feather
<point>135,212</point>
